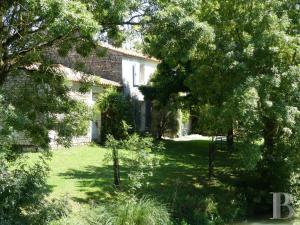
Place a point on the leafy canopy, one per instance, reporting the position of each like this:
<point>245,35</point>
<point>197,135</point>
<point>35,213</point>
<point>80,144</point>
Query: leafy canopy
<point>241,60</point>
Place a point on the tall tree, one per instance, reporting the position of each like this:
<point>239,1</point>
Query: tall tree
<point>240,57</point>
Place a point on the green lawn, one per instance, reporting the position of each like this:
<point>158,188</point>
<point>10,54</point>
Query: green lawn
<point>81,173</point>
<point>181,181</point>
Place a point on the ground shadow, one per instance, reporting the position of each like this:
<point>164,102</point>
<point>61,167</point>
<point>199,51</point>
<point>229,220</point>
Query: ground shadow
<point>181,181</point>
<point>95,181</point>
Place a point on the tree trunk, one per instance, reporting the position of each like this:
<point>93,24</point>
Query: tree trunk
<point>270,130</point>
<point>116,166</point>
<point>270,168</point>
<point>3,75</point>
<point>161,125</point>
<point>230,139</point>
<point>4,66</point>
<point>211,158</point>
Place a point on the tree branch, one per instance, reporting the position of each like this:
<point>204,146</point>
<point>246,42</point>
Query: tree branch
<point>133,17</point>
<point>294,57</point>
<point>239,37</point>
<point>122,23</point>
<point>36,47</point>
<point>23,31</point>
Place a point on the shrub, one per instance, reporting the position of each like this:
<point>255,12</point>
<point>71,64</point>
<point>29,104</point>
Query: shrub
<point>125,210</point>
<point>22,185</point>
<point>164,120</point>
<point>197,210</point>
<point>22,188</point>
<point>49,210</point>
<point>137,157</point>
<point>141,211</point>
<point>208,209</point>
<point>116,113</point>
<point>207,213</point>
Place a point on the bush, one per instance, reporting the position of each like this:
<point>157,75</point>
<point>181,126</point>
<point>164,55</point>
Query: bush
<point>141,211</point>
<point>137,157</point>
<point>196,210</point>
<point>207,210</point>
<point>207,213</point>
<point>126,210</point>
<point>49,210</point>
<point>164,120</point>
<point>22,184</point>
<point>116,113</point>
<point>22,188</point>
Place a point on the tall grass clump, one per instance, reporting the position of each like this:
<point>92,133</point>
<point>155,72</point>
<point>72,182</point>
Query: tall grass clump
<point>141,211</point>
<point>124,211</point>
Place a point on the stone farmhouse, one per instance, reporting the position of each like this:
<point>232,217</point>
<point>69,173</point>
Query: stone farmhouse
<point>124,69</point>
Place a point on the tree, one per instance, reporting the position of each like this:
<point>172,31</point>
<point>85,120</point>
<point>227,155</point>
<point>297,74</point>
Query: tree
<point>136,154</point>
<point>178,38</point>
<point>35,94</point>
<point>244,52</point>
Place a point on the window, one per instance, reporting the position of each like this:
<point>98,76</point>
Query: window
<point>142,74</point>
<point>135,76</point>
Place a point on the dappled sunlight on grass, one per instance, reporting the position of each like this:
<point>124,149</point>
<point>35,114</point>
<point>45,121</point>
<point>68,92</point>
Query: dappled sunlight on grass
<point>80,172</point>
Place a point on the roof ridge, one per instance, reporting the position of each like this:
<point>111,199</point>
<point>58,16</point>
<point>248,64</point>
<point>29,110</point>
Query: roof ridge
<point>129,52</point>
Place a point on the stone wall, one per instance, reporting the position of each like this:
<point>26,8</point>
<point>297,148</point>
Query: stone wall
<point>15,84</point>
<point>79,140</point>
<point>108,66</point>
<point>76,141</point>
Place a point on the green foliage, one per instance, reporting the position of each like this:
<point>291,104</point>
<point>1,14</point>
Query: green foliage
<point>29,28</point>
<point>185,116</point>
<point>249,155</point>
<point>22,185</point>
<point>165,105</point>
<point>116,113</point>
<point>165,120</point>
<point>138,157</point>
<point>239,62</point>
<point>269,111</point>
<point>125,210</point>
<point>141,211</point>
<point>206,210</point>
<point>38,101</point>
<point>22,189</point>
<point>75,123</point>
<point>50,210</point>
<point>209,215</point>
<point>209,120</point>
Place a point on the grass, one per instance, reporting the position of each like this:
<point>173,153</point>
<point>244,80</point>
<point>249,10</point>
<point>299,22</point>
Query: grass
<point>78,172</point>
<point>81,173</point>
<point>180,182</point>
<point>74,171</point>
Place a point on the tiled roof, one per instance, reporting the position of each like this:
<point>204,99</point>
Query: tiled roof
<point>77,76</point>
<point>127,52</point>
